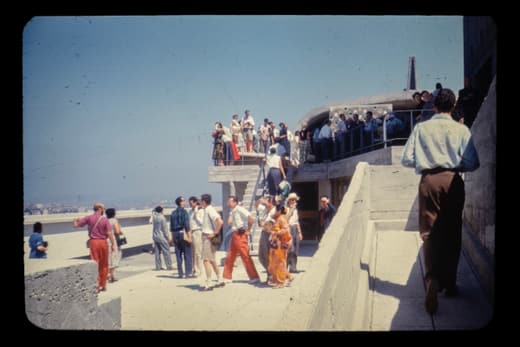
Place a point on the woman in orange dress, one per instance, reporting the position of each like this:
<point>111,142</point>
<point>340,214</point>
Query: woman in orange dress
<point>280,243</point>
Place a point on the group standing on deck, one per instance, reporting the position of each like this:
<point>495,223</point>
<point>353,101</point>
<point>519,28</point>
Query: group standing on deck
<point>439,148</point>
<point>191,232</point>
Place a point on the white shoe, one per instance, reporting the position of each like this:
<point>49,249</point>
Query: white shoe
<point>254,280</point>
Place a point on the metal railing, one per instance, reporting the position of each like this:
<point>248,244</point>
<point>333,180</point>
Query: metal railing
<point>356,141</point>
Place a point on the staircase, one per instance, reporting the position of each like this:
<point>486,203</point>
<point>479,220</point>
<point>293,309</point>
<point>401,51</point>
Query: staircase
<point>254,190</point>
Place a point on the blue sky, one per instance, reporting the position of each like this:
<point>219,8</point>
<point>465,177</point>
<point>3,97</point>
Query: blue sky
<point>120,109</point>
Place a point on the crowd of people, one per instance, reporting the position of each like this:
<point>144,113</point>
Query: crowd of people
<point>334,139</point>
<point>242,137</point>
<point>191,230</point>
<point>337,137</point>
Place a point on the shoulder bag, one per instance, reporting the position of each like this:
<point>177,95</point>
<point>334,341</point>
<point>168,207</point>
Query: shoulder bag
<point>217,239</point>
<point>90,231</point>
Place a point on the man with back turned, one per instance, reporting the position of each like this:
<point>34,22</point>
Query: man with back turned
<point>440,149</point>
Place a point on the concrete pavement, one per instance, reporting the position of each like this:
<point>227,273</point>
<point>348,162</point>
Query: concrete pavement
<point>157,300</point>
<point>398,290</point>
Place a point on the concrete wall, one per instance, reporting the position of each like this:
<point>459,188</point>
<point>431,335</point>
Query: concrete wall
<point>328,297</point>
<point>480,206</point>
<point>480,50</point>
<point>228,188</point>
<point>345,167</point>
<point>324,188</point>
<point>218,174</point>
<point>64,297</point>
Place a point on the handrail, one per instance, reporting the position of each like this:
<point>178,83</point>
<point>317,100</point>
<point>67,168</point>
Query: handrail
<point>363,143</point>
<point>261,176</point>
<point>261,173</point>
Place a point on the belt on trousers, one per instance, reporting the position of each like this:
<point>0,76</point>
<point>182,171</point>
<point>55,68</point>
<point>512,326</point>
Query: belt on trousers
<point>436,170</point>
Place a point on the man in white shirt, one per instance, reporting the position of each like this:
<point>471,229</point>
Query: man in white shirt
<point>248,125</point>
<point>264,136</point>
<point>211,225</point>
<point>326,140</point>
<point>439,149</point>
<point>196,216</point>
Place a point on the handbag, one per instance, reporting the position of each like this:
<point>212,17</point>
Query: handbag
<point>217,239</point>
<point>121,240</point>
<point>187,236</point>
<point>94,227</point>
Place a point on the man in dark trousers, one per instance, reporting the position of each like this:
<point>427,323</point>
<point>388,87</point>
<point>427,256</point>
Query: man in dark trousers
<point>326,213</point>
<point>440,149</point>
<point>179,226</point>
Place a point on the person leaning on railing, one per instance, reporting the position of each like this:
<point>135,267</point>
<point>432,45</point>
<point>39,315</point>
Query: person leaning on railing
<point>370,129</point>
<point>248,125</point>
<point>218,145</point>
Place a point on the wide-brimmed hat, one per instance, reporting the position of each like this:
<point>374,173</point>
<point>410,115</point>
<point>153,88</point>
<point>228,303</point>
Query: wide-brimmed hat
<point>293,196</point>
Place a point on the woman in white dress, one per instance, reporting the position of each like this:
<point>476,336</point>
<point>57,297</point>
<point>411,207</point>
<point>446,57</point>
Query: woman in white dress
<point>114,256</point>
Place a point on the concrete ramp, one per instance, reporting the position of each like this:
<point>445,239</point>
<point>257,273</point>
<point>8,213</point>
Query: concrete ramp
<point>398,290</point>
<point>367,274</point>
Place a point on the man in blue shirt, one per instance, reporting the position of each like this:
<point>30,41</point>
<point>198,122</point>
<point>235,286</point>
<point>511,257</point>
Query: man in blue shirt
<point>180,225</point>
<point>36,243</point>
<point>439,149</point>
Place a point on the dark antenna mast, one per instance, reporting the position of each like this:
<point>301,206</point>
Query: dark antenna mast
<point>411,73</point>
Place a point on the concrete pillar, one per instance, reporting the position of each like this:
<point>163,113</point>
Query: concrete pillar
<point>324,188</point>
<point>232,188</point>
<point>240,188</point>
<point>228,188</point>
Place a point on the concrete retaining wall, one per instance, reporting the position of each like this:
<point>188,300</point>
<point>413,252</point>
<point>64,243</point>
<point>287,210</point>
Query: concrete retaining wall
<point>480,206</point>
<point>328,297</point>
<point>64,297</point>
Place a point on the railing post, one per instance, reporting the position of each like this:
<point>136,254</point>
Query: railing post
<point>384,131</point>
<point>411,123</point>
<point>351,140</point>
<point>361,140</point>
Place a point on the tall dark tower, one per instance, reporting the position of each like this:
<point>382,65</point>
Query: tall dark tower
<point>411,73</point>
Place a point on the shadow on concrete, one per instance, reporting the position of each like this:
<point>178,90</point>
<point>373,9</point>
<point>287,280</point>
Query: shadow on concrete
<point>398,299</point>
<point>412,222</point>
<point>308,249</point>
<point>175,277</point>
<point>396,306</point>
<point>195,287</point>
